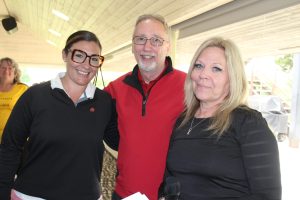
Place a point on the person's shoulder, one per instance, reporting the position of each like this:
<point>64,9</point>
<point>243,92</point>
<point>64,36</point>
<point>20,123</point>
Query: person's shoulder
<point>249,123</point>
<point>42,84</point>
<point>36,90</point>
<point>121,78</point>
<point>102,94</point>
<point>39,86</point>
<point>177,76</point>
<point>116,83</point>
<point>22,86</point>
<point>246,111</point>
<point>178,72</point>
<point>246,115</point>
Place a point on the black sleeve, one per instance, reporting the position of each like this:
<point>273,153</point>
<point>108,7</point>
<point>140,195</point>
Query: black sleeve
<point>261,159</point>
<point>161,192</point>
<point>111,135</point>
<point>14,137</point>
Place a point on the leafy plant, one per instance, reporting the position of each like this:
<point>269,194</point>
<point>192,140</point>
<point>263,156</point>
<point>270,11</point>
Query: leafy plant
<point>285,62</point>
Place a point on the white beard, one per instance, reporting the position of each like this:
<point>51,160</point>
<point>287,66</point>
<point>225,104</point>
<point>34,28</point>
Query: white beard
<point>147,67</point>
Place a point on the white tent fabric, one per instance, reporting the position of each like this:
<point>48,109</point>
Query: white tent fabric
<point>294,135</point>
<point>272,110</point>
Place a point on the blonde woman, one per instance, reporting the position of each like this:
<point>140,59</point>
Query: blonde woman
<point>220,148</point>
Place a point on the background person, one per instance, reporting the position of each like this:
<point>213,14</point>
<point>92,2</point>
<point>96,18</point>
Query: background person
<point>61,124</point>
<point>11,88</point>
<point>220,148</point>
<point>148,101</point>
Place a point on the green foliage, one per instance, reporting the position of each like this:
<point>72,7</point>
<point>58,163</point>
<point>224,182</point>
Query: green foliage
<point>25,78</point>
<point>285,62</point>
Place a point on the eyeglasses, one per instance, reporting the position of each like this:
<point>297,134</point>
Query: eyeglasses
<point>154,41</point>
<point>79,56</point>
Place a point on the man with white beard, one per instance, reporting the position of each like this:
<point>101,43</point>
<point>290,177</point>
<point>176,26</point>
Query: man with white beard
<point>148,101</point>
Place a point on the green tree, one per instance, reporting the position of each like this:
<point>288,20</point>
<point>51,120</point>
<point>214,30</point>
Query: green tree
<point>285,62</point>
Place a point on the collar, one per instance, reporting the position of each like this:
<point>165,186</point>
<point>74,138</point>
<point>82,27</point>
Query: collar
<point>146,87</point>
<point>133,80</point>
<point>88,93</point>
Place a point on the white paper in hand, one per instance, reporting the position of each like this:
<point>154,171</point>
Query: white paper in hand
<point>136,196</point>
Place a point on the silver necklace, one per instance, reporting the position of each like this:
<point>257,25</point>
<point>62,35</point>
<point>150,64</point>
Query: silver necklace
<point>191,126</point>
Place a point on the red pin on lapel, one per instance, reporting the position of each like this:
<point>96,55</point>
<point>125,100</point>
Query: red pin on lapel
<point>92,109</point>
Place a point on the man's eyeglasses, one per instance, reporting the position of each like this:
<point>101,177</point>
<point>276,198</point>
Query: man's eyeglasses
<point>79,56</point>
<point>154,41</point>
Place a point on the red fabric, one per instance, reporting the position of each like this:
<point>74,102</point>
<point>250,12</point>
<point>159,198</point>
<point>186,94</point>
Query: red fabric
<point>144,140</point>
<point>146,86</point>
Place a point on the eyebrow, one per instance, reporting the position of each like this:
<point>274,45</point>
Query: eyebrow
<point>85,52</point>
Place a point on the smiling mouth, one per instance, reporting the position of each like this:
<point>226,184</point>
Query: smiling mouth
<point>83,73</point>
<point>203,86</point>
<point>147,56</point>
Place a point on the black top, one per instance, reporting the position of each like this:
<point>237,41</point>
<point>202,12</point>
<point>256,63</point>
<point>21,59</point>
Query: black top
<point>242,164</point>
<point>63,145</point>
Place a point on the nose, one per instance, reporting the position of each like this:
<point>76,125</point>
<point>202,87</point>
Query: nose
<point>87,62</point>
<point>203,73</point>
<point>147,45</point>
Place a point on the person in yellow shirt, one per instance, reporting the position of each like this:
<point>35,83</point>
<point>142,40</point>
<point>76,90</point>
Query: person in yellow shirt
<point>10,89</point>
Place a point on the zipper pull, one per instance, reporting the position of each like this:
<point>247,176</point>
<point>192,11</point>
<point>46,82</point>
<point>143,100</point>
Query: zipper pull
<point>144,105</point>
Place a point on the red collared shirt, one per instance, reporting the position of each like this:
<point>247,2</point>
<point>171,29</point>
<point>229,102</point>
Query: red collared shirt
<point>147,86</point>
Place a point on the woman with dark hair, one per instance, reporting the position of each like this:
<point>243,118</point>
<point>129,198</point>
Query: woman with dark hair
<point>11,89</point>
<point>221,148</point>
<point>60,125</point>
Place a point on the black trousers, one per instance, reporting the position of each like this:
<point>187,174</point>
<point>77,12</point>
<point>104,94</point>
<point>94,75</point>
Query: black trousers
<point>115,196</point>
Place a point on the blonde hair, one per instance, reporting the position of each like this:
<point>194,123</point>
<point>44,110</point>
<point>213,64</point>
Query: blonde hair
<point>15,66</point>
<point>236,97</point>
